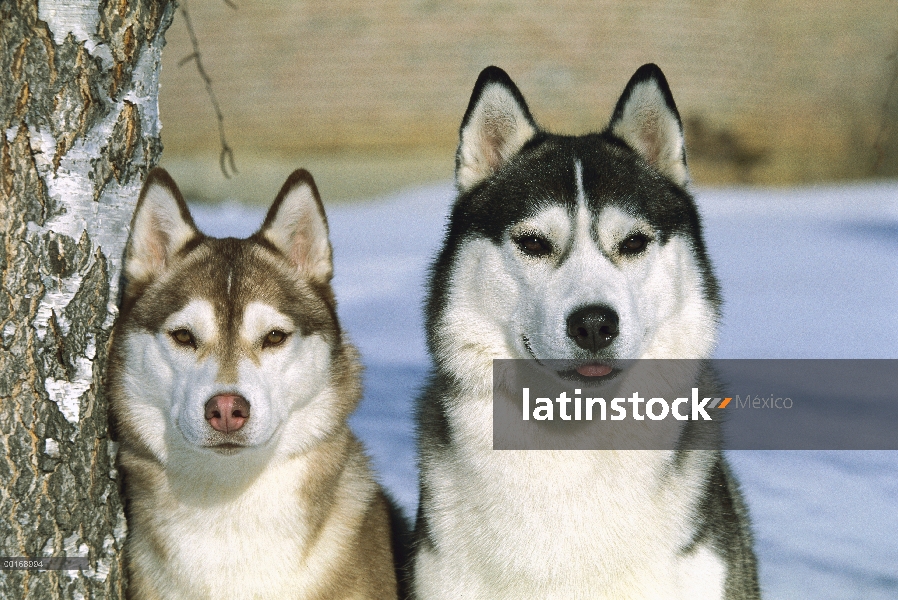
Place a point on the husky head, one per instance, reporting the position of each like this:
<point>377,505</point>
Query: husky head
<point>582,248</point>
<point>229,349</point>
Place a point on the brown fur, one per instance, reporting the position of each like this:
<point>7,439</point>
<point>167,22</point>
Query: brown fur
<point>345,516</point>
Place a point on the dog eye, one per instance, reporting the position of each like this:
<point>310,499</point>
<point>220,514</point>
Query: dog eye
<point>634,244</point>
<point>183,337</point>
<point>275,337</point>
<point>534,245</point>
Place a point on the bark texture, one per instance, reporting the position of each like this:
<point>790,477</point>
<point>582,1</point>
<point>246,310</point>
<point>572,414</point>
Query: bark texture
<point>78,131</point>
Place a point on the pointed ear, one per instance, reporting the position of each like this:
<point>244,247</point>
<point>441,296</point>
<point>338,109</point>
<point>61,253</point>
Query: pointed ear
<point>646,118</point>
<point>297,227</point>
<point>161,226</point>
<point>496,126</point>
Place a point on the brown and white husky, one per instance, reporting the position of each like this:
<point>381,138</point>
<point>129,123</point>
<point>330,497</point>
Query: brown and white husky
<point>231,382</point>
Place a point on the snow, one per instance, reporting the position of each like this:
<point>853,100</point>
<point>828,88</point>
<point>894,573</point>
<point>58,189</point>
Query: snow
<point>806,273</point>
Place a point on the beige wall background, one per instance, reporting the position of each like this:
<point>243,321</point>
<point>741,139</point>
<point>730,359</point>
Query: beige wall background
<point>369,95</point>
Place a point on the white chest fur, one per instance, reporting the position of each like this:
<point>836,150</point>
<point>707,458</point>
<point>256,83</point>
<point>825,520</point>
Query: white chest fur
<point>522,524</point>
<point>268,540</point>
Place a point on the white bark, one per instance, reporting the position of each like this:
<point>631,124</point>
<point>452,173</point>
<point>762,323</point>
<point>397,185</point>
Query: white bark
<point>79,129</point>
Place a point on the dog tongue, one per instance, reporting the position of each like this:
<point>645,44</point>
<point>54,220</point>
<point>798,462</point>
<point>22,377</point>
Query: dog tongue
<point>595,370</point>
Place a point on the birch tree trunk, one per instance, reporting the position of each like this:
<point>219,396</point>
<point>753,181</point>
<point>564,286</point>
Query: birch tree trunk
<point>80,129</point>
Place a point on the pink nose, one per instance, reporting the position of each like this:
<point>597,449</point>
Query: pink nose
<point>227,413</point>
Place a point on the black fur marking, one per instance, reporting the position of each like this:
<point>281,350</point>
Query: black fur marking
<point>494,75</point>
<point>647,72</point>
<point>542,174</point>
<point>488,142</point>
<point>401,543</point>
<point>722,524</point>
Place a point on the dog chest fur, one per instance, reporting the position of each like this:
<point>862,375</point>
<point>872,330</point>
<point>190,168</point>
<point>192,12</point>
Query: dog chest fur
<point>285,534</point>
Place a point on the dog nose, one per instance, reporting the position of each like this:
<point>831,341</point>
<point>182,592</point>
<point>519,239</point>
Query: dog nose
<point>593,327</point>
<point>227,413</point>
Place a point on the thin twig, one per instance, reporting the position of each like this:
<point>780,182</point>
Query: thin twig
<point>884,127</point>
<point>226,157</point>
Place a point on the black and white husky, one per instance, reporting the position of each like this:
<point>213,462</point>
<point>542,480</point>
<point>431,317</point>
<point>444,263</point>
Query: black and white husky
<point>584,248</point>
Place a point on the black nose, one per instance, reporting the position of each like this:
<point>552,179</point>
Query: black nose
<point>592,327</point>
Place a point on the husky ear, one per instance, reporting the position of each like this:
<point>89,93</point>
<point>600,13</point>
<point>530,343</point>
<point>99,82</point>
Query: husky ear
<point>297,226</point>
<point>161,226</point>
<point>646,118</point>
<point>496,126</point>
